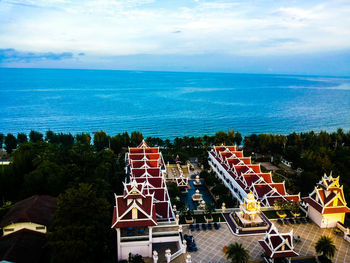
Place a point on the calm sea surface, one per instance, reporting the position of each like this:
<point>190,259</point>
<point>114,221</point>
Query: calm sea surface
<point>169,104</point>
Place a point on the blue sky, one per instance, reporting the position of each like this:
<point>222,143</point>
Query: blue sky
<point>292,37</point>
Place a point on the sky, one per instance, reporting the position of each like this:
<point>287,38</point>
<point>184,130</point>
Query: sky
<point>277,36</point>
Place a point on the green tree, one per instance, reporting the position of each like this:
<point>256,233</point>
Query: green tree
<point>325,246</point>
<point>83,138</point>
<point>230,137</point>
<point>1,140</point>
<point>51,137</point>
<point>80,226</point>
<point>100,140</point>
<point>220,138</point>
<point>22,138</point>
<point>237,253</point>
<point>35,136</point>
<point>10,143</point>
<point>136,138</point>
<point>238,138</point>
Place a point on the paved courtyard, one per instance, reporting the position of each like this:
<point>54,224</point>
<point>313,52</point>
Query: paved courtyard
<point>211,242</point>
<point>310,233</point>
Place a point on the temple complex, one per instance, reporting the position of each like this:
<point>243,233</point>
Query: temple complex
<point>326,204</point>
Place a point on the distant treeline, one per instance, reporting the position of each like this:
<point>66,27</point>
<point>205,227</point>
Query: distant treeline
<point>185,147</point>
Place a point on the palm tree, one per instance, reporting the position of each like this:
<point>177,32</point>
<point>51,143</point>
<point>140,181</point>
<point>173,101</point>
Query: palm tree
<point>237,253</point>
<point>326,247</point>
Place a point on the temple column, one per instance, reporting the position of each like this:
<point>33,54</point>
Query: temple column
<point>118,244</point>
<point>150,242</point>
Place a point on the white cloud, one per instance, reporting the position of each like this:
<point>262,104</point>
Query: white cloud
<point>112,27</point>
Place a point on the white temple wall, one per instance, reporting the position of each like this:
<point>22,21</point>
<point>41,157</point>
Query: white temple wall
<point>327,220</point>
<point>314,215</point>
<point>136,247</point>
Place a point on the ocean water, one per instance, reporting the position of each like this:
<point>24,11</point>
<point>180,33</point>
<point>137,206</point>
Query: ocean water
<point>170,104</point>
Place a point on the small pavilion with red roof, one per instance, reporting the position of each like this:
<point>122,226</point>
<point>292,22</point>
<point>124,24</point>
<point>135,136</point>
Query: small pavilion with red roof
<point>326,204</point>
<point>278,245</point>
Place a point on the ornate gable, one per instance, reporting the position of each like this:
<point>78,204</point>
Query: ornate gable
<point>277,245</point>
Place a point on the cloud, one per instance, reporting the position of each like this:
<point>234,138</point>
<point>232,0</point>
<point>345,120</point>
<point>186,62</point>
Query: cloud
<point>131,27</point>
<point>12,55</point>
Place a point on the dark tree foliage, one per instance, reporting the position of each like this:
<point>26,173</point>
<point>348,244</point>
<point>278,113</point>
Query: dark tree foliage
<point>35,136</point>
<point>22,138</point>
<point>83,138</point>
<point>65,140</point>
<point>136,138</point>
<point>1,140</point>
<point>80,227</point>
<point>50,168</point>
<point>100,140</point>
<point>10,143</point>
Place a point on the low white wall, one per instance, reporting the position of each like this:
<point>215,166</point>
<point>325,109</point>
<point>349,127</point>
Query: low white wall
<point>165,239</point>
<point>139,247</point>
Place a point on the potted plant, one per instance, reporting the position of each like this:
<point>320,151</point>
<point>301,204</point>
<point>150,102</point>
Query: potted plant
<point>209,209</point>
<point>189,216</point>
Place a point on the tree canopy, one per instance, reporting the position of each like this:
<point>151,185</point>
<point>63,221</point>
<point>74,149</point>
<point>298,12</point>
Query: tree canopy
<point>80,227</point>
<point>236,253</point>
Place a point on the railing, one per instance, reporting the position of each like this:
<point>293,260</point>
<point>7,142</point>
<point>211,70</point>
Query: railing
<point>165,234</point>
<point>134,238</point>
<point>176,254</point>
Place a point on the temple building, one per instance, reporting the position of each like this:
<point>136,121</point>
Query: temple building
<point>277,245</point>
<point>326,204</point>
<point>143,215</point>
<point>241,176</point>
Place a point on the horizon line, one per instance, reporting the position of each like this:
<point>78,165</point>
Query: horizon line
<point>178,71</point>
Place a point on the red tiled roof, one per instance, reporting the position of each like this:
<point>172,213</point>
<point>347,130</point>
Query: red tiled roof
<point>123,219</point>
<point>140,164</point>
<point>313,203</point>
<point>279,187</point>
<point>241,169</point>
<point>334,210</point>
<point>250,178</point>
<point>140,172</point>
<point>147,156</point>
<point>255,167</point>
<point>266,176</point>
<point>262,189</point>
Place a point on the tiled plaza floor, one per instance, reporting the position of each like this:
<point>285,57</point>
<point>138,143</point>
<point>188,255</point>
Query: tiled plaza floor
<point>310,233</point>
<point>211,242</point>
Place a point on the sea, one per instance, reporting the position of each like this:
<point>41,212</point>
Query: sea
<point>170,104</point>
